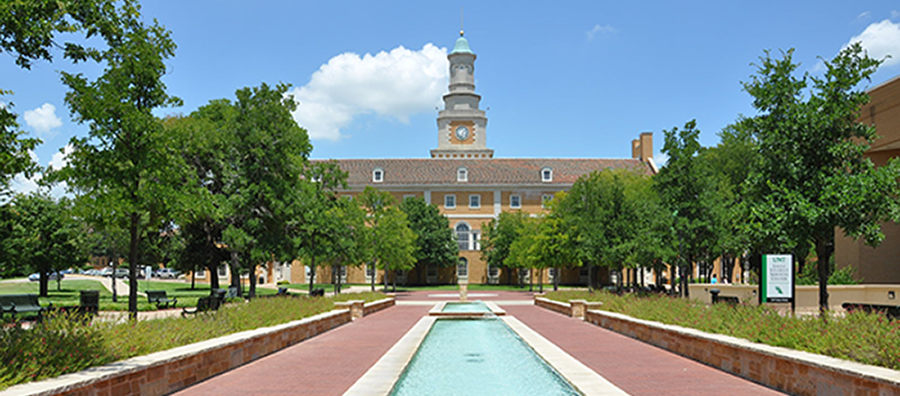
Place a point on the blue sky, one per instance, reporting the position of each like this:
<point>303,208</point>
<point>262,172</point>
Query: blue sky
<point>577,79</point>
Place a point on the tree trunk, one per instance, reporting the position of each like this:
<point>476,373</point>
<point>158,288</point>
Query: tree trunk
<point>252,280</point>
<point>312,267</point>
<point>824,249</point>
<point>540,280</point>
<point>374,273</point>
<point>385,277</point>
<point>590,280</point>
<point>132,265</point>
<point>556,280</point>
<point>114,263</point>
<point>236,273</point>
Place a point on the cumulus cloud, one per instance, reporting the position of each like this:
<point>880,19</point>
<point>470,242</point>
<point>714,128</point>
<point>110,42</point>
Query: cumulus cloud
<point>61,158</point>
<point>43,118</point>
<point>881,39</point>
<point>395,84</point>
<point>600,30</point>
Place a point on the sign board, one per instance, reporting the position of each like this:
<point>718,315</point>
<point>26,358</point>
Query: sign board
<point>777,280</point>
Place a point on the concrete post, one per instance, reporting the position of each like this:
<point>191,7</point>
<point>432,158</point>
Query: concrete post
<point>579,308</point>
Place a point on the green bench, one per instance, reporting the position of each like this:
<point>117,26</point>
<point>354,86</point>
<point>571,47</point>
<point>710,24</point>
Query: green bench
<point>204,304</point>
<point>159,298</point>
<point>21,304</point>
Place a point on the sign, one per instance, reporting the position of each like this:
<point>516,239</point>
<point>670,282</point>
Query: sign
<point>777,280</point>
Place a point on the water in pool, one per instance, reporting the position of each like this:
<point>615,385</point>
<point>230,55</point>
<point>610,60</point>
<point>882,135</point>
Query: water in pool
<point>476,306</point>
<point>478,357</point>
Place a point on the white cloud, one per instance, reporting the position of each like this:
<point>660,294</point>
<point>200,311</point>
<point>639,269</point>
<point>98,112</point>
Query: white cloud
<point>661,159</point>
<point>395,84</point>
<point>600,30</point>
<point>61,158</point>
<point>863,15</point>
<point>26,185</point>
<point>43,118</point>
<point>881,39</point>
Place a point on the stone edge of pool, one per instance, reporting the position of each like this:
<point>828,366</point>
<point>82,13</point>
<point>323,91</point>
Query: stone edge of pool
<point>379,380</point>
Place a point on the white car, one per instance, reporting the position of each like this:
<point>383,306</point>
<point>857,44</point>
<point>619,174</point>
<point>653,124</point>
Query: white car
<point>167,273</point>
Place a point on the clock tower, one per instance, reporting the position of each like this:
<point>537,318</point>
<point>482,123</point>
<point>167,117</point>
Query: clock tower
<point>462,126</point>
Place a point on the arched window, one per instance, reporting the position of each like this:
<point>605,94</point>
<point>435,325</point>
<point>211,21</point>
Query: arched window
<point>462,268</point>
<point>462,236</point>
<point>462,175</point>
<point>378,175</point>
<point>546,175</point>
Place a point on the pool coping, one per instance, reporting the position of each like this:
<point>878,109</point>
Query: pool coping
<point>379,380</point>
<point>493,310</point>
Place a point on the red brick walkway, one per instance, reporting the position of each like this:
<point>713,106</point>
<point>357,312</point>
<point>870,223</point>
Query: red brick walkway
<point>635,367</point>
<point>330,363</point>
<point>325,365</point>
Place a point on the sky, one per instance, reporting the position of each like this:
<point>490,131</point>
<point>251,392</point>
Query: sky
<point>574,79</point>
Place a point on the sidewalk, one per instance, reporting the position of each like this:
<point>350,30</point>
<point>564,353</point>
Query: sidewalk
<point>332,362</point>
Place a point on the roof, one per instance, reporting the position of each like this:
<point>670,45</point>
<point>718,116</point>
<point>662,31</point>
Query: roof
<point>495,171</point>
<point>462,46</point>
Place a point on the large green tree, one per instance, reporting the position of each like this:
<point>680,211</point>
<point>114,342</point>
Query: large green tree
<point>393,243</point>
<point>45,237</point>
<point>499,235</point>
<point>268,154</point>
<point>813,175</point>
<point>435,242</point>
<point>125,164</point>
<point>690,191</point>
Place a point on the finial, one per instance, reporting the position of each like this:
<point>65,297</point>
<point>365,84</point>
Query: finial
<point>460,22</point>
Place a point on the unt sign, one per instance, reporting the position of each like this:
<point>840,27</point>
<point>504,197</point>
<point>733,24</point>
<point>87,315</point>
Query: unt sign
<point>777,280</point>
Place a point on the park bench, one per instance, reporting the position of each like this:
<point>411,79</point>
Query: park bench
<point>891,311</point>
<point>159,298</point>
<point>317,293</point>
<point>20,304</point>
<point>204,304</point>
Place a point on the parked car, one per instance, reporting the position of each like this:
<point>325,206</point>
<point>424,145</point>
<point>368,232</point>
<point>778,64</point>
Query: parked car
<point>52,276</point>
<point>167,273</point>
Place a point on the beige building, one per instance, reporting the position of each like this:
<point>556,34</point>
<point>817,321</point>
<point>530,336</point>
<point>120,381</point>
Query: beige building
<point>881,264</point>
<point>471,187</point>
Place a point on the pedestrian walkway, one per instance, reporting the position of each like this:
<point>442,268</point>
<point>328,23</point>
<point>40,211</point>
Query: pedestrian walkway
<point>331,363</point>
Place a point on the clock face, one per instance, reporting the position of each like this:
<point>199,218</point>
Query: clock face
<point>462,132</point>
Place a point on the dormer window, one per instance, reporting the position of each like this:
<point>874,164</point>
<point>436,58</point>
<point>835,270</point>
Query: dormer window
<point>377,175</point>
<point>546,175</point>
<point>462,175</point>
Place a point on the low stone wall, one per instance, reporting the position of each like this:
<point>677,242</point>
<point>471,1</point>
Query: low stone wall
<point>807,296</point>
<point>165,372</point>
<point>376,306</point>
<point>555,306</point>
<point>788,370</point>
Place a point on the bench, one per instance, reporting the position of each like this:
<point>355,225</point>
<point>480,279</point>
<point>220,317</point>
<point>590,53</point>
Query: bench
<point>159,298</point>
<point>317,293</point>
<point>20,304</point>
<point>891,311</point>
<point>204,304</point>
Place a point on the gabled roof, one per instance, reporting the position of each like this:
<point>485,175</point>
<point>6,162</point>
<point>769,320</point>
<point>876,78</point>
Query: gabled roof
<point>496,171</point>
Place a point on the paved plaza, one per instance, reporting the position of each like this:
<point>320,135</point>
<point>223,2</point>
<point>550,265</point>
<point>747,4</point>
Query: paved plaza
<point>331,363</point>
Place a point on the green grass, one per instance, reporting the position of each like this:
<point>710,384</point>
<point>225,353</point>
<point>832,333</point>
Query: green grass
<point>329,288</point>
<point>60,345</point>
<point>858,336</point>
<point>471,287</point>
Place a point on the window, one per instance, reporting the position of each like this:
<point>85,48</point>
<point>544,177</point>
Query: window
<point>462,236</point>
<point>493,271</point>
<point>545,200</point>
<point>476,240</point>
<point>462,268</point>
<point>462,175</point>
<point>450,201</point>
<point>223,270</point>
<point>474,201</point>
<point>408,196</point>
<point>546,175</point>
<point>201,274</point>
<point>515,201</point>
<point>377,175</point>
<point>552,274</point>
<point>370,271</point>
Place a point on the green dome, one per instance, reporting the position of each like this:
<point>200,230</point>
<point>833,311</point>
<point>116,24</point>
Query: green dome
<point>461,47</point>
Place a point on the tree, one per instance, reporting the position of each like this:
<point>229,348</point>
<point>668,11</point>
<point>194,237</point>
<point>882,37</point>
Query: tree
<point>435,243</point>
<point>46,237</point>
<point>813,176</point>
<point>542,244</point>
<point>315,224</point>
<point>125,163</point>
<point>350,244</point>
<point>500,234</point>
<point>689,190</point>
<point>268,153</point>
<point>393,243</point>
